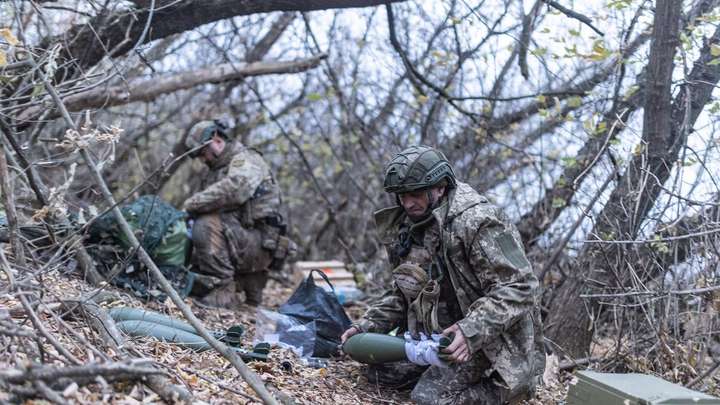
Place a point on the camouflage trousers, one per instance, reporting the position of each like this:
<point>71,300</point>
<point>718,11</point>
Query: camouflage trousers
<point>230,259</point>
<point>473,382</point>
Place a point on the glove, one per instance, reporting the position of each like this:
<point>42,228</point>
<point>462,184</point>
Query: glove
<point>424,352</point>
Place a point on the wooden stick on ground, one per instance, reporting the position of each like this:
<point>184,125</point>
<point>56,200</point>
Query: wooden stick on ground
<point>248,375</point>
<point>8,201</point>
<point>101,321</point>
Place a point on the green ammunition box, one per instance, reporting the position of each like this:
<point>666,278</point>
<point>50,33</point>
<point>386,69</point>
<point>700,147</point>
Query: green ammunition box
<point>593,388</point>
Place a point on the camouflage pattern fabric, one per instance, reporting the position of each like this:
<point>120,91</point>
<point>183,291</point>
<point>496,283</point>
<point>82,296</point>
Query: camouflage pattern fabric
<point>229,237</point>
<point>470,383</point>
<point>239,181</point>
<point>473,382</point>
<point>401,375</point>
<point>495,288</point>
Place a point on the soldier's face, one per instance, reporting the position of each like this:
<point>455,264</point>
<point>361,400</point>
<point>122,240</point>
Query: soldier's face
<point>211,152</point>
<point>416,203</point>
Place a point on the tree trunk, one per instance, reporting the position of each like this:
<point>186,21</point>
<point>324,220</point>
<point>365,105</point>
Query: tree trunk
<point>569,323</point>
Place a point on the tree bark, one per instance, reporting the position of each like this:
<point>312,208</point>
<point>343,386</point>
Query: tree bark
<point>120,32</point>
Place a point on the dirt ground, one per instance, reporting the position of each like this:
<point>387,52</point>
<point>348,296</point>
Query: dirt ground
<point>209,376</point>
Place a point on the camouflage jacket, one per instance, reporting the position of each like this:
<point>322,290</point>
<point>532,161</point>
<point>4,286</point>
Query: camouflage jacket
<point>496,289</point>
<point>239,181</point>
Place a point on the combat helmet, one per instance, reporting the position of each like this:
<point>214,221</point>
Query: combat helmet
<point>417,168</point>
<point>201,134</point>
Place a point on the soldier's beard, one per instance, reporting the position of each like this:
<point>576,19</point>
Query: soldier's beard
<point>419,218</point>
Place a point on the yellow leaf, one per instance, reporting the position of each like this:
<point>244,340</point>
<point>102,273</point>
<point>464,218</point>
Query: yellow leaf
<point>639,149</point>
<point>9,37</point>
<point>3,58</point>
<point>541,99</point>
<point>715,50</point>
<point>599,51</point>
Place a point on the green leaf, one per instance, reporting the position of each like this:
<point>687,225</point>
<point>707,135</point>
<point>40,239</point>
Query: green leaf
<point>539,52</point>
<point>715,108</point>
<point>619,4</point>
<point>569,161</point>
<point>558,202</point>
<point>631,91</point>
<point>37,90</point>
<point>601,127</point>
<point>314,97</point>
<point>714,62</point>
<point>659,245</point>
<point>574,102</point>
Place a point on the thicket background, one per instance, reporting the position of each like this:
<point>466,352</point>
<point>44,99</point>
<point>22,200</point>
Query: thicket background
<point>591,123</point>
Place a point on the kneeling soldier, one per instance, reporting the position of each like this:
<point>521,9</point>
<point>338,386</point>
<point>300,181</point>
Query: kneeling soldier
<point>238,233</point>
<point>459,270</point>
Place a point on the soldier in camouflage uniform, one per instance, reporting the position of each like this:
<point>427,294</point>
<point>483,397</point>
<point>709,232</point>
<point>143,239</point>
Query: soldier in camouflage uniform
<point>238,233</point>
<point>459,269</point>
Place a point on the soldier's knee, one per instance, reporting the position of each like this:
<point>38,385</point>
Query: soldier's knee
<point>206,229</point>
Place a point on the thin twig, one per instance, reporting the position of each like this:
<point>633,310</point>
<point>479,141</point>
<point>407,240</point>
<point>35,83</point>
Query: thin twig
<point>574,14</point>
<point>704,375</point>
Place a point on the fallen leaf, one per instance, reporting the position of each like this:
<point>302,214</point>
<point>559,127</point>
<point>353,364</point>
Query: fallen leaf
<point>9,37</point>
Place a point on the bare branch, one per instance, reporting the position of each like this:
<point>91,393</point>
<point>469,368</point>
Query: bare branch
<point>149,89</point>
<point>574,14</point>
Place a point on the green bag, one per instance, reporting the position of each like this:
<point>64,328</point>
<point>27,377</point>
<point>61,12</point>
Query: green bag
<point>162,232</point>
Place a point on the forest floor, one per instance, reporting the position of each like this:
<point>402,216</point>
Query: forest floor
<point>209,377</point>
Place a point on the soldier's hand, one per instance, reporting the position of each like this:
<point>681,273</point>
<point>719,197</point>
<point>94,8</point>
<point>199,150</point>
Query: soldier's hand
<point>458,349</point>
<point>348,333</point>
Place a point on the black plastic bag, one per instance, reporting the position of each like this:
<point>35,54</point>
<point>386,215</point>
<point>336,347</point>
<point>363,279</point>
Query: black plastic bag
<point>312,303</point>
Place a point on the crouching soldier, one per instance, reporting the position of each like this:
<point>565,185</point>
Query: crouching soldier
<point>459,270</point>
<point>238,234</point>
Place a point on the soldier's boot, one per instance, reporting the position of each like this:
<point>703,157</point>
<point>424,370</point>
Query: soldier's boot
<point>399,375</point>
<point>222,296</point>
<point>253,285</point>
